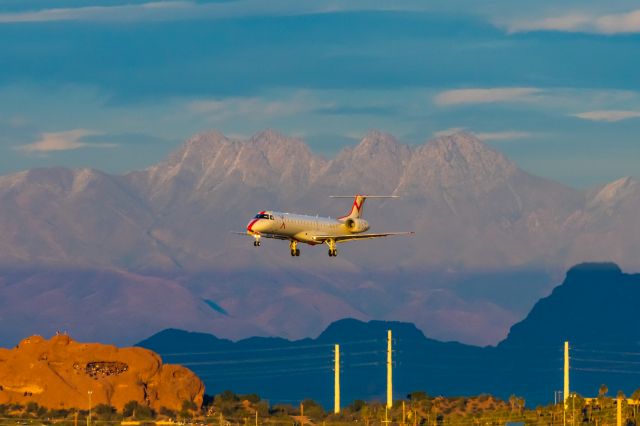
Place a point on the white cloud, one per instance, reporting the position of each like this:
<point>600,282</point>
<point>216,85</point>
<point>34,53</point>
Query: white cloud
<point>608,115</point>
<point>571,22</point>
<point>64,141</point>
<point>479,96</point>
<point>619,23</point>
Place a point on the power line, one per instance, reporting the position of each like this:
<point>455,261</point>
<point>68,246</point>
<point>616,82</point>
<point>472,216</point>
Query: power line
<point>254,361</point>
<point>602,370</point>
<point>605,361</point>
<point>282,348</point>
<point>607,352</point>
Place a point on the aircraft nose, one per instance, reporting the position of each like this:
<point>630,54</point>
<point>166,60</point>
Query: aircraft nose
<point>254,225</point>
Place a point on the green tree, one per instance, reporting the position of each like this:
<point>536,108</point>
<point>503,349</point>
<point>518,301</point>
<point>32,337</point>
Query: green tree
<point>105,411</point>
<point>32,407</point>
<point>636,397</point>
<point>602,392</point>
<point>137,411</point>
<point>418,396</point>
<point>251,397</point>
<point>166,412</point>
<point>356,405</point>
<point>188,405</point>
<point>313,410</point>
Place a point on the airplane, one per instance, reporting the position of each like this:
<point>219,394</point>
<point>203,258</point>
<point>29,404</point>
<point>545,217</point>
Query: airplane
<point>314,230</point>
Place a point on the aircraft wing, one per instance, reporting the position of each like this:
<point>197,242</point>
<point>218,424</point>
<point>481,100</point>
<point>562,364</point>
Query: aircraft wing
<point>263,235</point>
<point>353,237</point>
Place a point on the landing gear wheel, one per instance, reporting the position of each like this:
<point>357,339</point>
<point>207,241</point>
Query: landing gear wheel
<point>293,246</point>
<point>256,243</point>
<point>333,252</point>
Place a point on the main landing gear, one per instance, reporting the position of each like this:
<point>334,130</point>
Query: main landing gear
<point>333,252</point>
<point>293,246</point>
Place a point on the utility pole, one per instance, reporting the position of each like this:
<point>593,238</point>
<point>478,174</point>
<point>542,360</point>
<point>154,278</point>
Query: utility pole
<point>256,416</point>
<point>89,418</point>
<point>404,419</point>
<point>336,380</point>
<point>386,420</point>
<point>619,412</point>
<point>565,394</point>
<point>389,374</point>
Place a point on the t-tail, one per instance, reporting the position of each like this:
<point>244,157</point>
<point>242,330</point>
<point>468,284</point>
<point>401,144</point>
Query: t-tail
<point>358,204</point>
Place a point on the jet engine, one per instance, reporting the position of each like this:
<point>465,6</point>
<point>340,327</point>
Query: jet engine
<point>356,225</point>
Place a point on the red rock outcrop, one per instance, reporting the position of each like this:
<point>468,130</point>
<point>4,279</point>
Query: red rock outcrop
<point>60,373</point>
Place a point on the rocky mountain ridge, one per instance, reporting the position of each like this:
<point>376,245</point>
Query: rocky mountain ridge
<point>483,228</point>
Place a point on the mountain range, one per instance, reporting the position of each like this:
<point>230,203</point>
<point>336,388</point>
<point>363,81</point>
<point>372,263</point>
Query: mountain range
<point>490,240</point>
<point>594,309</point>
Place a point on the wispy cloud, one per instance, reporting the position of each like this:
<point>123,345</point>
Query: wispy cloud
<point>481,96</point>
<point>503,136</point>
<point>172,10</point>
<point>608,115</point>
<point>63,141</point>
<point>619,23</point>
<point>126,12</point>
<point>448,132</point>
<point>486,136</point>
<point>223,109</point>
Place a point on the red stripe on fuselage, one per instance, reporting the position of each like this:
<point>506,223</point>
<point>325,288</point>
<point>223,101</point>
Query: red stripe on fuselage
<point>253,222</point>
<point>250,225</point>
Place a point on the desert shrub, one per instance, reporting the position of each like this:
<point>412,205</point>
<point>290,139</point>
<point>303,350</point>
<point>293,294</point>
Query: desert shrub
<point>104,411</point>
<point>164,411</point>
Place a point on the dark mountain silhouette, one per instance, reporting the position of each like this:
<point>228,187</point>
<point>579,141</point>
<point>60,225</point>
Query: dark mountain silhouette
<point>594,309</point>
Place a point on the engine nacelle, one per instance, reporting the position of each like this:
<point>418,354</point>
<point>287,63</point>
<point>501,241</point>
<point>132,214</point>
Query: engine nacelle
<point>356,225</point>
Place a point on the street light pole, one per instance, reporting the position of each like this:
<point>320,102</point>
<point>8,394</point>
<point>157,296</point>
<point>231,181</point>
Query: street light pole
<point>89,418</point>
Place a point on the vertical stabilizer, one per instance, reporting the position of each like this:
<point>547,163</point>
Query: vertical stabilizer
<point>358,204</point>
<point>356,208</point>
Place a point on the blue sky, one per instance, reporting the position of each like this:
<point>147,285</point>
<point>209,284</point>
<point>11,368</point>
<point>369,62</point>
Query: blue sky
<point>116,85</point>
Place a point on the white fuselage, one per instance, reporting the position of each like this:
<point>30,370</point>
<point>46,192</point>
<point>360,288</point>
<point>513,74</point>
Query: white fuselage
<point>303,228</point>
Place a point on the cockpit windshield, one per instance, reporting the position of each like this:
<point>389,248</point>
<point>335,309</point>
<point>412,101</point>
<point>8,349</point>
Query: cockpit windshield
<point>264,216</point>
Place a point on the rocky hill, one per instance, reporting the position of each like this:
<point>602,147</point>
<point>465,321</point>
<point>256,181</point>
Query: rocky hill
<point>490,240</point>
<point>58,373</point>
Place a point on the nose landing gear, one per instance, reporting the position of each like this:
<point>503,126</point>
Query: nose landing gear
<point>293,247</point>
<point>256,241</point>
